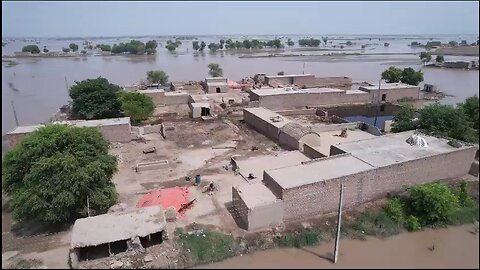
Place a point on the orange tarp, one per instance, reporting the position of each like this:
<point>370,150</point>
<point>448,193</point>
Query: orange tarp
<point>166,197</point>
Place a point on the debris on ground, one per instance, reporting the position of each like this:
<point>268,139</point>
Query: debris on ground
<point>150,150</point>
<point>251,176</point>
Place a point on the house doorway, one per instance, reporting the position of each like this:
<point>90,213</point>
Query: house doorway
<point>205,111</point>
<point>384,97</point>
<point>218,89</point>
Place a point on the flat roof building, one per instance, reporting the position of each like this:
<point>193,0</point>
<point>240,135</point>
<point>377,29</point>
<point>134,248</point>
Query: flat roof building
<point>391,92</point>
<point>216,85</point>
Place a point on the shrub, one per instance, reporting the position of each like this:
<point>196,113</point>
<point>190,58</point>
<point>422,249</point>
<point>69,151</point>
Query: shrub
<point>395,210</point>
<point>299,239</point>
<point>412,224</point>
<point>31,49</point>
<point>432,203</point>
<point>137,106</point>
<point>208,246</point>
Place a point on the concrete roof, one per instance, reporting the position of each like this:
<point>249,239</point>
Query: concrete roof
<point>77,123</point>
<point>200,105</point>
<point>266,115</point>
<point>151,91</point>
<point>217,97</point>
<point>289,75</point>
<point>216,83</point>
<point>316,171</point>
<point>215,78</point>
<point>386,86</point>
<point>393,148</point>
<point>255,194</point>
<point>107,228</point>
<point>258,164</point>
<point>355,92</point>
<point>289,91</point>
<point>328,138</point>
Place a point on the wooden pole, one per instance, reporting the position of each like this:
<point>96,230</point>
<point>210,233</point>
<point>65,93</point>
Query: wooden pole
<point>339,223</point>
<point>14,113</point>
<point>88,206</point>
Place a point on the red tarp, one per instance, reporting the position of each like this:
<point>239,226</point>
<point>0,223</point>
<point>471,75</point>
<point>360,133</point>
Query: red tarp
<point>166,197</point>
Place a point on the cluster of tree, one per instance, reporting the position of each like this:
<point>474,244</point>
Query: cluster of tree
<point>349,43</point>
<point>407,75</point>
<point>104,47</point>
<point>198,46</point>
<point>73,47</point>
<point>98,98</point>
<point>290,43</point>
<point>56,171</point>
<point>386,44</point>
<point>134,47</point>
<point>31,49</point>
<point>457,122</point>
<point>172,46</point>
<point>215,70</point>
<point>439,59</point>
<point>415,43</point>
<point>309,42</point>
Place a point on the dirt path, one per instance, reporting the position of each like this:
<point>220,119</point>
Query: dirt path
<point>454,247</point>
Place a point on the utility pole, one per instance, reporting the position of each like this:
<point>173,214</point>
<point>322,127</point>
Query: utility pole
<point>88,206</point>
<point>303,72</point>
<point>66,84</point>
<point>376,104</point>
<point>14,113</point>
<point>339,223</point>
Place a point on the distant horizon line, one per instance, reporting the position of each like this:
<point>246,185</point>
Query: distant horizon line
<point>200,35</point>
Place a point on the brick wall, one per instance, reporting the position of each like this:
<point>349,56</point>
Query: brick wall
<point>395,94</point>
<point>176,98</point>
<point>322,197</point>
<point>116,133</point>
<point>261,126</point>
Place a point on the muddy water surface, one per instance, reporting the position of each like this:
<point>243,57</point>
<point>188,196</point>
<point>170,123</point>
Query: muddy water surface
<point>455,247</point>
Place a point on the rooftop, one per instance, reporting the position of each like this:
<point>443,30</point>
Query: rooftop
<point>319,170</point>
<point>217,97</point>
<point>268,116</point>
<point>148,91</point>
<point>256,165</point>
<point>215,79</point>
<point>108,228</point>
<point>289,75</point>
<point>328,138</point>
<point>77,123</point>
<point>255,194</point>
<point>393,148</point>
<point>386,86</point>
<point>217,83</point>
<point>200,105</point>
<point>355,92</point>
<point>291,91</point>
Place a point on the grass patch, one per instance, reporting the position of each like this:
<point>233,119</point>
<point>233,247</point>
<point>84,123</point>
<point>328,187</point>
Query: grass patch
<point>299,239</point>
<point>375,223</point>
<point>207,246</point>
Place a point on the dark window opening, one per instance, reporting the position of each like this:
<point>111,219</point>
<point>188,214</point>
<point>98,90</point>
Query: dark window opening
<point>384,97</point>
<point>154,239</point>
<point>382,108</point>
<point>218,89</point>
<point>101,251</point>
<point>205,112</point>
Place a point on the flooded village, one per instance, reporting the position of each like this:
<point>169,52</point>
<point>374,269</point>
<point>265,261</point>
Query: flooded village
<point>285,151</point>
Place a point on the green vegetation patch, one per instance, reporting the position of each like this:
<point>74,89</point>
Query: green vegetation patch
<point>207,246</point>
<point>299,239</point>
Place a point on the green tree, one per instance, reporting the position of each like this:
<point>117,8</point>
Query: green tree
<point>325,40</point>
<point>290,43</point>
<point>45,50</point>
<point>403,119</point>
<point>470,107</point>
<point>215,70</point>
<point>222,43</point>
<point>439,59</point>
<point>157,76</point>
<point>151,44</point>
<point>95,99</point>
<point>105,48</point>
<point>277,43</point>
<point>137,106</point>
<point>73,47</point>
<point>432,203</point>
<point>83,52</point>
<point>31,49</point>
<point>195,45</point>
<point>171,47</point>
<point>392,75</point>
<point>202,46</point>
<point>66,50</point>
<point>412,77</point>
<point>50,174</point>
<point>425,57</point>
<point>448,121</point>
<point>213,47</point>
<point>247,44</point>
<point>453,43</point>
<point>349,43</point>
<point>463,43</point>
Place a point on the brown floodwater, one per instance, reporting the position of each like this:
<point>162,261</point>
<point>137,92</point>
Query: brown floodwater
<point>454,247</point>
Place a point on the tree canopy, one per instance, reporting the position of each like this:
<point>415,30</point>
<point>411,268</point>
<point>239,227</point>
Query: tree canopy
<point>412,77</point>
<point>137,106</point>
<point>95,98</point>
<point>53,170</point>
<point>31,49</point>
<point>195,45</point>
<point>132,47</point>
<point>290,42</point>
<point>460,122</point>
<point>425,56</point>
<point>157,76</point>
<point>309,42</point>
<point>215,70</point>
<point>392,75</point>
<point>439,59</point>
<point>73,47</point>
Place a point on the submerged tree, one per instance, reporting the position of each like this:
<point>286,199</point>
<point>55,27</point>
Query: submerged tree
<point>439,59</point>
<point>54,172</point>
<point>73,47</point>
<point>392,75</point>
<point>215,70</point>
<point>31,49</point>
<point>412,77</point>
<point>425,57</point>
<point>157,76</point>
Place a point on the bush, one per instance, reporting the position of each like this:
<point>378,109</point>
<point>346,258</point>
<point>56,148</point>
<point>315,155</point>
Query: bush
<point>137,106</point>
<point>299,239</point>
<point>464,215</point>
<point>31,49</point>
<point>395,210</point>
<point>432,203</point>
<point>412,224</point>
<point>50,173</point>
<point>209,246</point>
<point>374,223</point>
